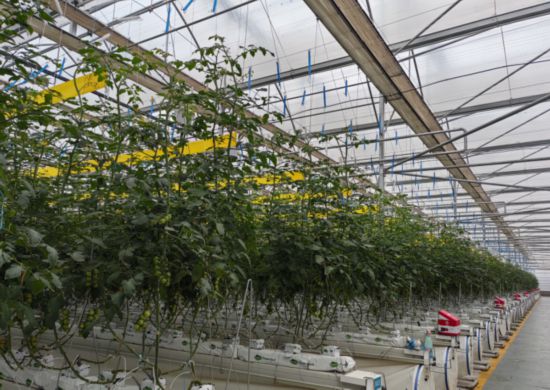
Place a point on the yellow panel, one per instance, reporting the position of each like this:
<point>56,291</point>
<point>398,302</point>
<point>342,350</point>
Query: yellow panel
<point>194,147</point>
<point>72,88</point>
<point>277,179</point>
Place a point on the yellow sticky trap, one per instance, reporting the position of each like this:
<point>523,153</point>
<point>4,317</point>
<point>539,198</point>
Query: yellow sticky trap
<point>195,147</point>
<point>271,179</point>
<point>72,88</point>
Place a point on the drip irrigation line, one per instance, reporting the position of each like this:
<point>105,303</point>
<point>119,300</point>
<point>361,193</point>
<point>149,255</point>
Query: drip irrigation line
<point>508,75</point>
<point>477,129</point>
<point>438,18</point>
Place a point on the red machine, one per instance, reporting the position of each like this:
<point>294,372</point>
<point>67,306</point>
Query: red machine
<point>500,303</point>
<point>448,324</point>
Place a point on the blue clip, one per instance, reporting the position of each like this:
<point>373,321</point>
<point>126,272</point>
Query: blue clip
<point>323,129</point>
<point>214,6</point>
<point>61,68</point>
<point>309,67</point>
<point>304,98</point>
<point>284,105</point>
<point>433,180</point>
<point>350,127</point>
<point>10,85</point>
<point>167,27</point>
<point>1,210</point>
<point>172,131</point>
<point>186,6</point>
<point>346,88</point>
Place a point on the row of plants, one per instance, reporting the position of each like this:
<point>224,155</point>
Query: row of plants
<point>179,232</point>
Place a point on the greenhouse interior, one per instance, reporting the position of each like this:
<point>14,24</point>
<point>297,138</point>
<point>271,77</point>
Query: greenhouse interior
<point>274,194</point>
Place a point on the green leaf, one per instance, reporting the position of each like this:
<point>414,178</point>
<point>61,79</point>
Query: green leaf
<point>53,256</point>
<point>35,237</point>
<point>13,272</point>
<point>78,256</point>
<point>220,228</point>
<point>5,257</point>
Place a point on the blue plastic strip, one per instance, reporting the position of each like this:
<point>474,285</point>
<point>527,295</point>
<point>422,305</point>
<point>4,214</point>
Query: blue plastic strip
<point>433,179</point>
<point>10,85</point>
<point>214,6</point>
<point>414,159</point>
<point>350,127</point>
<point>36,74</point>
<point>325,96</point>
<point>309,67</point>
<point>417,377</point>
<point>478,336</point>
<point>169,13</point>
<point>447,368</point>
<point>278,72</point>
<point>323,129</point>
<point>284,105</point>
<point>172,132</point>
<point>1,210</point>
<point>346,88</point>
<point>249,78</point>
<point>304,98</point>
<point>376,143</point>
<point>186,6</point>
<point>61,68</point>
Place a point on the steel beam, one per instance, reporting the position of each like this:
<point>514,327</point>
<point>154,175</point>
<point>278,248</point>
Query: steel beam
<point>437,37</point>
<point>96,27</point>
<point>356,33</point>
<point>425,179</point>
<point>474,109</point>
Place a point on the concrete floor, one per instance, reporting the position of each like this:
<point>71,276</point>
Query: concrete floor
<point>526,365</point>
